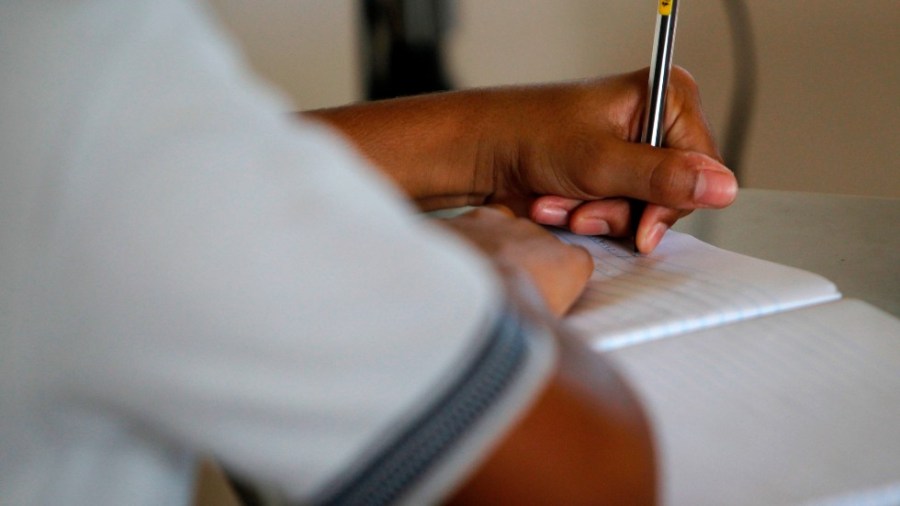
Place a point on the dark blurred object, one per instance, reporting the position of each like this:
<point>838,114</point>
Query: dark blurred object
<point>743,99</point>
<point>402,47</point>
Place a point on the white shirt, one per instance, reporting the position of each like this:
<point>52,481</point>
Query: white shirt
<point>186,270</point>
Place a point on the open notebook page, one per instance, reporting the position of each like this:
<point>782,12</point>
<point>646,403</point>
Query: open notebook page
<point>684,285</point>
<point>797,407</point>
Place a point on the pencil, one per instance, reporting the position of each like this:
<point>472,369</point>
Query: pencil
<point>658,83</point>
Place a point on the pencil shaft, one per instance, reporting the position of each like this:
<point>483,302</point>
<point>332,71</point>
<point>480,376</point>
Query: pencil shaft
<point>660,67</point>
<point>655,111</point>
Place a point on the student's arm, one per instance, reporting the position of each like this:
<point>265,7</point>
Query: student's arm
<point>564,154</point>
<point>585,441</point>
<point>213,279</point>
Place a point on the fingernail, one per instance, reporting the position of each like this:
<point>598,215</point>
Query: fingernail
<point>551,215</point>
<point>588,226</point>
<point>715,188</point>
<point>656,234</point>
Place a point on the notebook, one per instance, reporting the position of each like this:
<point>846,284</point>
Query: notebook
<point>763,386</point>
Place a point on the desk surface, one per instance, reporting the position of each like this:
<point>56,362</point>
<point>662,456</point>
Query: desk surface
<point>853,241</point>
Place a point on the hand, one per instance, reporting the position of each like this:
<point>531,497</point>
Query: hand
<point>517,246</point>
<point>565,155</point>
<point>574,171</point>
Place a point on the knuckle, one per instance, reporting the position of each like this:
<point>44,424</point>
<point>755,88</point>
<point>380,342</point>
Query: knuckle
<point>683,78</point>
<point>671,180</point>
<point>685,88</point>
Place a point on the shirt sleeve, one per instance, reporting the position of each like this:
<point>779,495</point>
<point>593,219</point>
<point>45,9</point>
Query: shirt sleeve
<point>242,283</point>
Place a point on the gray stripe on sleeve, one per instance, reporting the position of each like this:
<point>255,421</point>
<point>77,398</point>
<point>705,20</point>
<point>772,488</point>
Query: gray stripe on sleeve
<point>392,471</point>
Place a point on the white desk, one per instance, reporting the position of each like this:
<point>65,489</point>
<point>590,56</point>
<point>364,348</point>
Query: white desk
<point>853,241</point>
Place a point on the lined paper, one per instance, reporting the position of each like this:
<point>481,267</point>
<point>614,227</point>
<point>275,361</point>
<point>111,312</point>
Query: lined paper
<point>684,285</point>
<point>797,407</point>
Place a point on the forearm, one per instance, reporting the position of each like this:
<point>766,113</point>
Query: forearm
<point>434,146</point>
<point>585,441</point>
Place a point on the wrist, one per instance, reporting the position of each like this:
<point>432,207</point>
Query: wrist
<point>440,149</point>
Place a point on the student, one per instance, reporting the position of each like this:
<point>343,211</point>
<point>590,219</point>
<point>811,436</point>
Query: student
<point>186,271</point>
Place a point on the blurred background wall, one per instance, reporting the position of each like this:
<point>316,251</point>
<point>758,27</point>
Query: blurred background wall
<point>827,109</point>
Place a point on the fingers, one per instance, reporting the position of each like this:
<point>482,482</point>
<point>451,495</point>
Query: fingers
<point>558,270</point>
<point>597,217</point>
<point>502,209</point>
<point>600,217</point>
<point>606,217</point>
<point>655,222</point>
<point>552,210</point>
<point>560,292</point>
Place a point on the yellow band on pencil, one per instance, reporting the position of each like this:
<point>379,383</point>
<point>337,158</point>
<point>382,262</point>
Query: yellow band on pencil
<point>665,7</point>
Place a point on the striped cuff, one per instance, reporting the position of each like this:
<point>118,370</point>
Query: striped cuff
<point>402,464</point>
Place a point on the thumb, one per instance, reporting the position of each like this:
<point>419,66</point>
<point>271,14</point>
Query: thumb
<point>671,178</point>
